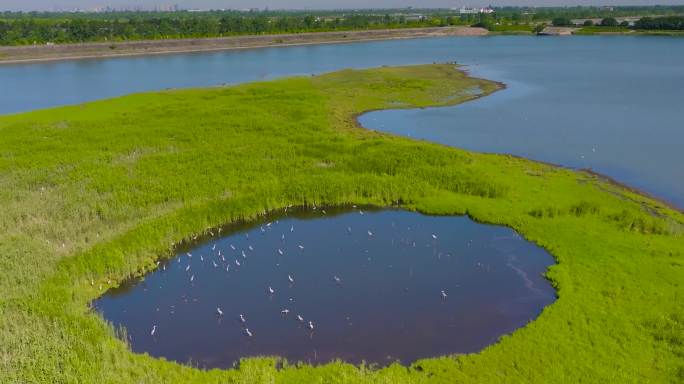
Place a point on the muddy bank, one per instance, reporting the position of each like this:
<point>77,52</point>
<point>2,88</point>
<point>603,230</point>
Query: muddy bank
<point>146,47</point>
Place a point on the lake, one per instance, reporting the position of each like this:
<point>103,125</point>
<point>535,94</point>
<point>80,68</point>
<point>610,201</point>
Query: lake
<point>370,285</point>
<point>610,103</point>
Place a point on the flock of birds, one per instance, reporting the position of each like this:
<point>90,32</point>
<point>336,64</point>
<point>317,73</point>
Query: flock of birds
<point>217,255</point>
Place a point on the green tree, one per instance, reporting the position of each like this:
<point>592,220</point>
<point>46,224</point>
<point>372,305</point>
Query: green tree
<point>609,22</point>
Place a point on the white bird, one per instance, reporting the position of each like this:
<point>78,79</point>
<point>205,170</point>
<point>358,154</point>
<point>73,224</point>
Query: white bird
<point>310,325</point>
<point>370,233</point>
<point>348,229</point>
<point>213,248</point>
<point>228,268</point>
<point>214,263</point>
<point>324,212</point>
<point>189,254</point>
<point>154,329</point>
<point>434,236</point>
<point>285,311</point>
<point>444,295</point>
<point>292,228</point>
<point>242,318</point>
<point>250,248</point>
<point>290,279</point>
<point>201,258</point>
<point>187,268</point>
<point>192,278</point>
<point>268,224</point>
<point>361,212</point>
<point>271,290</point>
<point>280,251</point>
<point>244,255</point>
<point>237,262</point>
<point>300,318</point>
<point>337,279</point>
<point>300,246</point>
<point>219,311</point>
<point>282,237</point>
<point>232,247</point>
<point>248,332</point>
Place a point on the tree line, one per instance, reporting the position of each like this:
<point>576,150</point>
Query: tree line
<point>666,23</point>
<point>31,30</point>
<point>18,28</point>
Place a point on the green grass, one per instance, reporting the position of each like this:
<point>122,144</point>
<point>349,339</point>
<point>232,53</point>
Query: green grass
<point>93,193</point>
<point>599,30</point>
<point>513,29</point>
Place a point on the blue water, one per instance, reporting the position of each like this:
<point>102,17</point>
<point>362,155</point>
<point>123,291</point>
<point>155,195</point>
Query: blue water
<point>369,281</point>
<point>610,103</point>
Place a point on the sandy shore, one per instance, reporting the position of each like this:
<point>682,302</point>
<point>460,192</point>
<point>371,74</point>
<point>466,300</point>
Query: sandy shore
<point>37,53</point>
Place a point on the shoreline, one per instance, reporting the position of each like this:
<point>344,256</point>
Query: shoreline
<point>500,86</point>
<point>44,53</point>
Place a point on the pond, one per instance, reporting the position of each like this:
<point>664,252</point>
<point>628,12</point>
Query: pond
<point>357,284</point>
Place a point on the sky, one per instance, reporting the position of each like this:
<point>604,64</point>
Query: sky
<point>306,4</point>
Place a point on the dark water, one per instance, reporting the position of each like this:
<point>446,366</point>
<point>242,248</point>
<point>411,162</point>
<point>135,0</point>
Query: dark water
<point>386,306</point>
<point>611,103</point>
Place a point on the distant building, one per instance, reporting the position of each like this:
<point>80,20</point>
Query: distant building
<point>414,17</point>
<point>475,11</point>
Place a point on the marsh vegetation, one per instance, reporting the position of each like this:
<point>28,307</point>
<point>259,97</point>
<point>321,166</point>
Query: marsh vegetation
<point>95,193</point>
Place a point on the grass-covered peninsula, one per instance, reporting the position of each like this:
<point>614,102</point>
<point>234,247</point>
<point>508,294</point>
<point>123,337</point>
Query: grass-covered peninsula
<point>93,193</point>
